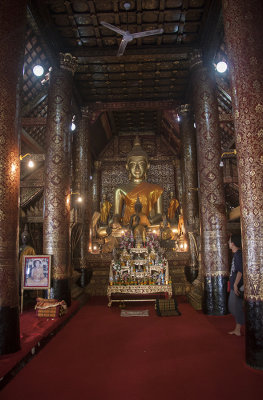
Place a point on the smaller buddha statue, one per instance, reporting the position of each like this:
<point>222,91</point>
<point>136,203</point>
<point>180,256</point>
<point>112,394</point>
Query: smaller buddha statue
<point>139,222</point>
<point>105,207</point>
<point>115,229</point>
<point>165,231</point>
<point>172,212</point>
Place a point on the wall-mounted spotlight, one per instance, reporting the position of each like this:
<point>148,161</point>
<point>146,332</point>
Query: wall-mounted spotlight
<point>221,67</point>
<point>30,163</point>
<point>38,70</point>
<point>79,198</point>
<point>234,152</point>
<point>73,125</point>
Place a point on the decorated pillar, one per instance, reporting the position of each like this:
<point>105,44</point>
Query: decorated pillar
<point>190,193</point>
<point>82,185</point>
<point>96,186</point>
<point>244,32</point>
<point>57,177</point>
<point>214,251</point>
<point>12,32</point>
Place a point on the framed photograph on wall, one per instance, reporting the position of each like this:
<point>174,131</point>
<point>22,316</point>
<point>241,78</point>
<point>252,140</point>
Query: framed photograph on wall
<point>36,272</point>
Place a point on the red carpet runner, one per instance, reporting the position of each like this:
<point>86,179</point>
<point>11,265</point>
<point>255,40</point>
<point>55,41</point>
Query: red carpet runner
<point>32,331</point>
<point>99,355</point>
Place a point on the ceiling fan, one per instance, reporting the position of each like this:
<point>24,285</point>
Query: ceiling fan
<point>128,37</point>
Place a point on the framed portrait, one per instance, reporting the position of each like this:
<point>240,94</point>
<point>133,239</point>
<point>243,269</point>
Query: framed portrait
<point>36,272</point>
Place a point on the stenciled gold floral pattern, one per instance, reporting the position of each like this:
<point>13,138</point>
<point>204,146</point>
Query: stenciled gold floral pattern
<point>82,183</point>
<point>57,172</point>
<point>244,31</point>
<point>189,172</point>
<point>211,191</point>
<point>12,30</point>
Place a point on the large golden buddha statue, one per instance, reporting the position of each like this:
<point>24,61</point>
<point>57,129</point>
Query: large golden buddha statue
<point>126,195</point>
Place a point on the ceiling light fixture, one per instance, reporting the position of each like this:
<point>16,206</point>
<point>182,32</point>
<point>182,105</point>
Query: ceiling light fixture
<point>221,67</point>
<point>38,70</point>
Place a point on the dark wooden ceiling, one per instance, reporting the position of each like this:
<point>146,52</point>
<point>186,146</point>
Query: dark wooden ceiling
<point>134,92</point>
<point>153,67</point>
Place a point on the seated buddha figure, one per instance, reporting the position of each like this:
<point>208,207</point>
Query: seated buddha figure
<point>139,222</point>
<point>150,194</point>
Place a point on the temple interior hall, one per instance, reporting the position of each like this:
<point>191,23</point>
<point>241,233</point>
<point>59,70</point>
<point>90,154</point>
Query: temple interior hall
<point>131,181</point>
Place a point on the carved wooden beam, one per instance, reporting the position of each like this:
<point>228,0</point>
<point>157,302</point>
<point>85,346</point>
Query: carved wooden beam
<point>106,125</point>
<point>112,123</point>
<point>171,117</point>
<point>26,138</point>
<point>230,179</point>
<point>34,157</point>
<point>169,145</point>
<point>32,183</point>
<point>171,134</point>
<point>38,99</point>
<point>132,105</point>
<point>133,54</point>
<point>35,121</point>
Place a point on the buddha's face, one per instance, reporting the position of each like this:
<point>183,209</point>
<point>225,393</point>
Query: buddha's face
<point>137,166</point>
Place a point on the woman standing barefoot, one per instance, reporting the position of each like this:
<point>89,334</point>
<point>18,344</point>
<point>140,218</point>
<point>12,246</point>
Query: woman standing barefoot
<point>235,302</point>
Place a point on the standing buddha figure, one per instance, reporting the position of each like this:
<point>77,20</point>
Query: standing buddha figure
<point>172,212</point>
<point>105,207</point>
<point>150,194</point>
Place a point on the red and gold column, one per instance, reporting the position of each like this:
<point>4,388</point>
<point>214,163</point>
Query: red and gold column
<point>244,32</point>
<point>190,193</point>
<point>82,185</point>
<point>57,176</point>
<point>12,33</point>
<point>214,251</point>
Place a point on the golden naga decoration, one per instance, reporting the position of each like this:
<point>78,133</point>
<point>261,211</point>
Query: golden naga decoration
<point>68,62</point>
<point>150,194</point>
